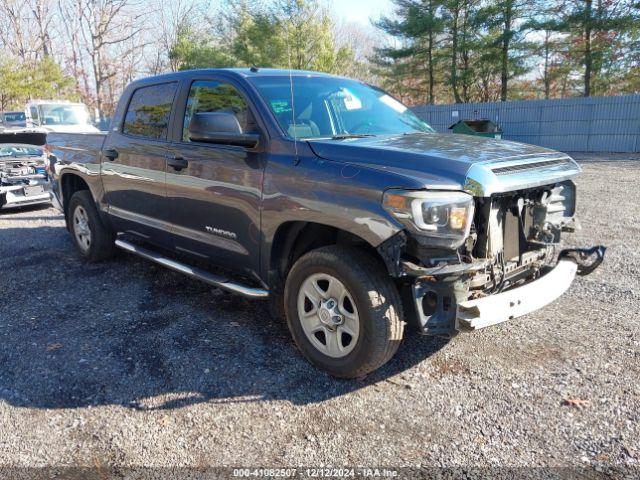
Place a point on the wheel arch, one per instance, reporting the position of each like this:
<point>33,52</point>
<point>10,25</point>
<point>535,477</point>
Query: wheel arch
<point>295,238</point>
<point>70,183</point>
<point>292,240</point>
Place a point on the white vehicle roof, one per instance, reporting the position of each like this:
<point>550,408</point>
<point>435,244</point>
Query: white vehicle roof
<point>53,102</point>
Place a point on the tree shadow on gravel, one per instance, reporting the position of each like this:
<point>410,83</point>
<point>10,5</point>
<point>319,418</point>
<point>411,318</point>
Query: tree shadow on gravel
<point>127,332</point>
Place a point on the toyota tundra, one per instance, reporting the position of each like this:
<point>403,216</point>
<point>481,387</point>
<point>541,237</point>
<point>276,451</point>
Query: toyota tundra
<point>329,198</point>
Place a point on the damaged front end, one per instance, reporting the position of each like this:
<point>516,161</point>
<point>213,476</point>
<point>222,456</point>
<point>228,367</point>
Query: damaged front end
<point>23,176</point>
<point>507,265</point>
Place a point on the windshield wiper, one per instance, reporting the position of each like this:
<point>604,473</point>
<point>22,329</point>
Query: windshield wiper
<point>343,136</point>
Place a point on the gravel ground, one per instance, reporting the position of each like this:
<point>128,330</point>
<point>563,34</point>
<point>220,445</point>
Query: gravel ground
<point>125,364</point>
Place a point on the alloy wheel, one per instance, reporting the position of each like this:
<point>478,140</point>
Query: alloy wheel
<point>328,315</point>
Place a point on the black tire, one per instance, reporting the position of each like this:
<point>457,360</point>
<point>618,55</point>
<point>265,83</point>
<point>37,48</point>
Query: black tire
<point>102,239</point>
<point>375,296</point>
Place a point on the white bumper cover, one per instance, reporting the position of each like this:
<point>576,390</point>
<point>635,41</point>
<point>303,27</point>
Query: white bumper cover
<point>14,196</point>
<point>493,309</point>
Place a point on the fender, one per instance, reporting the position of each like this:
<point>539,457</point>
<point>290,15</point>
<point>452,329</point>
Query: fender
<point>340,195</point>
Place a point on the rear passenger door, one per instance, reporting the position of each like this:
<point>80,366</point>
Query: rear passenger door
<point>214,201</point>
<point>134,163</point>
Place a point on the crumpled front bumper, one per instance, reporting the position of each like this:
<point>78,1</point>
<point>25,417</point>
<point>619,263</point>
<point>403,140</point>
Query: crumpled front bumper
<point>473,314</point>
<point>15,196</point>
<point>500,307</point>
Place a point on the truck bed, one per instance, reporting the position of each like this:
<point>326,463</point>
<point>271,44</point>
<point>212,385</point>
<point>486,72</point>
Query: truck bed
<point>79,147</point>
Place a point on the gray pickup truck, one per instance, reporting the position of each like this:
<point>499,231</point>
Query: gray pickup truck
<point>328,197</point>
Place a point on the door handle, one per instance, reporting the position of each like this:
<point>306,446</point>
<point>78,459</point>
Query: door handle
<point>110,153</point>
<point>178,163</point>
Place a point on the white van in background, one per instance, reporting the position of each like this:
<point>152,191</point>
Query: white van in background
<point>59,116</point>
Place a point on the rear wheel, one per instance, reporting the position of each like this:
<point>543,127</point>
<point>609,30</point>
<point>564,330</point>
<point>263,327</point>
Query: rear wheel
<point>343,311</point>
<point>93,239</point>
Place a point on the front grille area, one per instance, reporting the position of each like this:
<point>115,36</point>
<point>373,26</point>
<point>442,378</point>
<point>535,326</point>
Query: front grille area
<point>511,224</point>
<point>529,166</point>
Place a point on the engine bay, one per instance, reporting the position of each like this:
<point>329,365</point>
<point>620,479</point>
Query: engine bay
<point>516,234</point>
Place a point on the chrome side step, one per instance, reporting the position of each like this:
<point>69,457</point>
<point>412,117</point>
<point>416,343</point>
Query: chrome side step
<point>193,272</point>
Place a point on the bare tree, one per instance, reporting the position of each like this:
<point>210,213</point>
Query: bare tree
<point>43,16</point>
<point>171,17</point>
<point>16,39</point>
<point>362,42</point>
<point>71,49</point>
<point>106,26</point>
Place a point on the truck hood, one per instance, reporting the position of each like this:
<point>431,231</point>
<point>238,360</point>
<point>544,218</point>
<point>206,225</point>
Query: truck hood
<point>452,159</point>
<point>24,136</point>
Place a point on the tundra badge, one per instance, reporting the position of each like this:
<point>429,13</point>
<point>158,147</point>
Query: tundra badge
<point>220,232</point>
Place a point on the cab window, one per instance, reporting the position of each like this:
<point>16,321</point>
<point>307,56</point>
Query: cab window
<point>149,111</point>
<point>216,96</point>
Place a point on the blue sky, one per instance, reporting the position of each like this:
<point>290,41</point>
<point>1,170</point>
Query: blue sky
<point>360,11</point>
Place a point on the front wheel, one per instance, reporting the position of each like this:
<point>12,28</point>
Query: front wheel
<point>343,311</point>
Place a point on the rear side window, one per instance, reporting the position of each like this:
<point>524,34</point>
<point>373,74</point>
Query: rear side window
<point>149,110</point>
<point>214,96</point>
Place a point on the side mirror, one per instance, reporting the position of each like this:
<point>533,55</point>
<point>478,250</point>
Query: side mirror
<point>220,127</point>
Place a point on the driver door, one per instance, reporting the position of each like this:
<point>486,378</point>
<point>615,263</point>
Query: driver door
<point>214,195</point>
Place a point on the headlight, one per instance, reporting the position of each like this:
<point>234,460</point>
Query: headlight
<point>444,216</point>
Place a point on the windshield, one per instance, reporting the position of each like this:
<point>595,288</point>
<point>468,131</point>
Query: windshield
<point>330,107</point>
<point>62,114</point>
<point>14,117</point>
<point>19,151</point>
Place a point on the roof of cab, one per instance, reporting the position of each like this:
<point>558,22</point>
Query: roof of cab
<point>237,72</point>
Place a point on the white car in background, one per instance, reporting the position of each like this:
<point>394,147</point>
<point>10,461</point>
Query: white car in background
<point>59,116</point>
